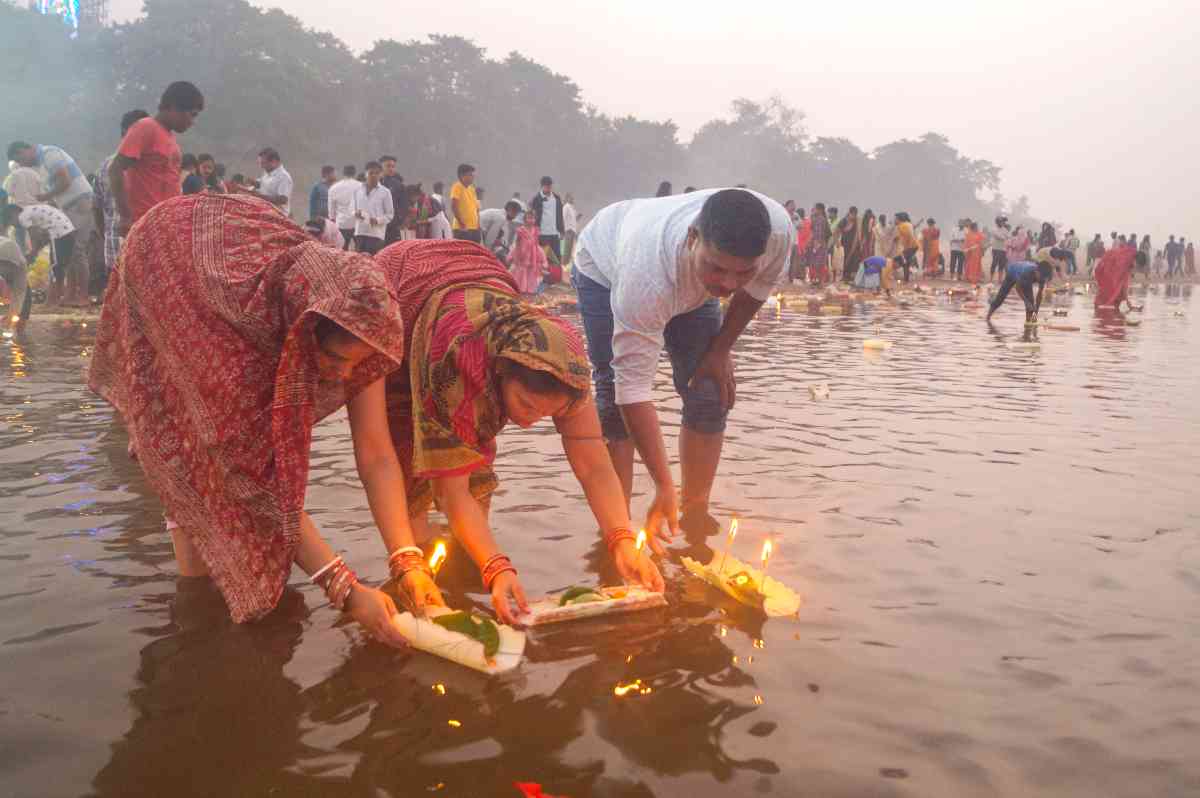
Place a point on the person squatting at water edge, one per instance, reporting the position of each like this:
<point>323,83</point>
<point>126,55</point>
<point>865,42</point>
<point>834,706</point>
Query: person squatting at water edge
<point>226,316</point>
<point>649,273</point>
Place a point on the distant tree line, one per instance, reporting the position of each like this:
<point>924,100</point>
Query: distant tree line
<point>269,81</point>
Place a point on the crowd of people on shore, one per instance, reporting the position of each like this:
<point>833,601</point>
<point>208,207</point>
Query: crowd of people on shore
<point>859,248</point>
<point>413,311</point>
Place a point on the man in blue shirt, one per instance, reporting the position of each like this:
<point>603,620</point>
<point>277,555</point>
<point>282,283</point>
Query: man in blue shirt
<point>318,198</point>
<point>1023,275</point>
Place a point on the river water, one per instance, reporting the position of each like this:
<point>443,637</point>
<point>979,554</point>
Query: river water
<point>998,550</point>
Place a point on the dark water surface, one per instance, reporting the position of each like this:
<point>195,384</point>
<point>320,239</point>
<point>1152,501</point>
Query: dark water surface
<point>999,552</point>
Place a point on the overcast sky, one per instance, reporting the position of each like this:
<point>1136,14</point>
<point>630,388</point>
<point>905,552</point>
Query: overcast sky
<point>1089,109</point>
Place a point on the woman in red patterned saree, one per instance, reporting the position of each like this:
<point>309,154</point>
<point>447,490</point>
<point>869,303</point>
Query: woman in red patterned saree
<point>226,334</point>
<point>478,358</point>
<point>1114,274</point>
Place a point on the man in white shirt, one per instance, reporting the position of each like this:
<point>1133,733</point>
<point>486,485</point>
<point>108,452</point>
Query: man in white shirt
<point>499,227</point>
<point>547,208</point>
<point>23,184</point>
<point>46,224</point>
<point>373,210</point>
<point>570,228</point>
<point>439,224</point>
<point>275,185</point>
<point>649,272</point>
<point>341,203</point>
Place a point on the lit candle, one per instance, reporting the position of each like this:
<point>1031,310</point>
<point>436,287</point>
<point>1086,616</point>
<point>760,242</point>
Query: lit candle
<point>733,526</point>
<point>438,558</point>
<point>767,548</point>
<point>640,543</point>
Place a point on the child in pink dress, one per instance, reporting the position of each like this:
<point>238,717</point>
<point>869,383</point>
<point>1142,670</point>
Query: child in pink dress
<point>527,262</point>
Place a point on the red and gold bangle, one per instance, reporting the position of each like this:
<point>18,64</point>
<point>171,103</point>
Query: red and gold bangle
<point>615,536</point>
<point>407,559</point>
<point>495,565</point>
<point>337,580</point>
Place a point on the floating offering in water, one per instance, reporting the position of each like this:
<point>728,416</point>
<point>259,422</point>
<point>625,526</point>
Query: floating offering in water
<point>747,585</point>
<point>1132,322</point>
<point>1024,344</point>
<point>474,641</point>
<point>1060,327</point>
<point>819,391</point>
<point>577,603</point>
<point>1060,311</point>
<point>876,343</point>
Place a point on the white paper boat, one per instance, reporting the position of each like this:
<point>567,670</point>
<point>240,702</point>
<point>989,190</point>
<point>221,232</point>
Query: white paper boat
<point>619,599</point>
<point>424,635</point>
<point>778,599</point>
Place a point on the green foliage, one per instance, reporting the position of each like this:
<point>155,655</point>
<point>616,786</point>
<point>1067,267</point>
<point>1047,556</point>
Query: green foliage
<point>480,629</point>
<point>270,81</point>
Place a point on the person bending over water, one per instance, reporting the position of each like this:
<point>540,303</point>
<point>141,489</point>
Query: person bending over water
<point>225,336</point>
<point>649,272</point>
<point>1023,275</point>
<point>478,357</point>
<point>1114,274</point>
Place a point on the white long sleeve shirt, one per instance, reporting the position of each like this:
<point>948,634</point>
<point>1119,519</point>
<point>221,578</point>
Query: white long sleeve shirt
<point>341,202</point>
<point>570,218</point>
<point>636,250</point>
<point>374,204</point>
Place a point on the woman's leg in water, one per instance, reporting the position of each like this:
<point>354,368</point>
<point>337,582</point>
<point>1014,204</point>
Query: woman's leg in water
<point>186,554</point>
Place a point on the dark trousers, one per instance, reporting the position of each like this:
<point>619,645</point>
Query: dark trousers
<point>957,261</point>
<point>1023,291</point>
<point>347,237</point>
<point>554,242</point>
<point>368,245</point>
<point>999,262</point>
<point>909,259</point>
<point>63,248</point>
<point>469,235</point>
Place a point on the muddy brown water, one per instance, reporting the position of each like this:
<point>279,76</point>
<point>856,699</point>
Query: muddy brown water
<point>998,549</point>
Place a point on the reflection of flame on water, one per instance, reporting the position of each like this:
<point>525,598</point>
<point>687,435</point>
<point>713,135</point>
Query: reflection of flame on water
<point>635,688</point>
<point>758,700</point>
<point>760,643</point>
<point>440,689</point>
<point>724,631</point>
<point>456,724</point>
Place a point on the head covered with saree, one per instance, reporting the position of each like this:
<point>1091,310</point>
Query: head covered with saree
<point>464,320</point>
<point>207,348</point>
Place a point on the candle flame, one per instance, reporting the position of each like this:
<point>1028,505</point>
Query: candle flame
<point>438,557</point>
<point>767,548</point>
<point>733,530</point>
<point>640,543</point>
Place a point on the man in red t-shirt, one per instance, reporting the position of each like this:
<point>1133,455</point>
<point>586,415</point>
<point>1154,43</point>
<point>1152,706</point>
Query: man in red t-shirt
<point>146,169</point>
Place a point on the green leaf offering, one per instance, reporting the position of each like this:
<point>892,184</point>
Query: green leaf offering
<point>480,629</point>
<point>579,595</point>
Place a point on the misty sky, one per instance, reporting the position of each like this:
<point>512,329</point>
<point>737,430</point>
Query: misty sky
<point>1090,110</point>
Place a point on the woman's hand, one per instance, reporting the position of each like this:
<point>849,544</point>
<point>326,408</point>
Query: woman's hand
<point>636,567</point>
<point>664,510</point>
<point>418,590</point>
<point>504,586</point>
<point>374,609</point>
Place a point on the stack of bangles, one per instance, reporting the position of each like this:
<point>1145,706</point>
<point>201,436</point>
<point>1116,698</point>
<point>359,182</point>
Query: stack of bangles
<point>337,580</point>
<point>409,558</point>
<point>615,536</point>
<point>495,565</point>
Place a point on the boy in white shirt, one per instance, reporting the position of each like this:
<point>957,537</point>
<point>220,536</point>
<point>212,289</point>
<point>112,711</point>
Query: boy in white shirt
<point>373,210</point>
<point>46,224</point>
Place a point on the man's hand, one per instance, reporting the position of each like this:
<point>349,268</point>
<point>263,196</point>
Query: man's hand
<point>663,511</point>
<point>718,366</point>
<point>636,567</point>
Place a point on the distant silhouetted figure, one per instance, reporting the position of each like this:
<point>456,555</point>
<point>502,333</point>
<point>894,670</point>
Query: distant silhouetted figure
<point>664,189</point>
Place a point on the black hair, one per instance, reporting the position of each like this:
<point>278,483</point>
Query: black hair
<point>219,170</point>
<point>383,158</point>
<point>930,220</point>
<point>542,383</point>
<point>181,96</point>
<point>204,156</point>
<point>465,169</point>
<point>735,222</point>
<point>130,118</point>
<point>547,181</point>
<point>327,170</point>
<point>372,165</point>
<point>664,189</point>
<point>188,161</point>
<point>349,170</point>
<point>689,189</point>
<point>832,209</point>
<point>438,187</point>
<point>270,153</point>
<point>1059,254</point>
<point>512,205</point>
<point>314,227</point>
<point>16,147</point>
<point>820,206</point>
